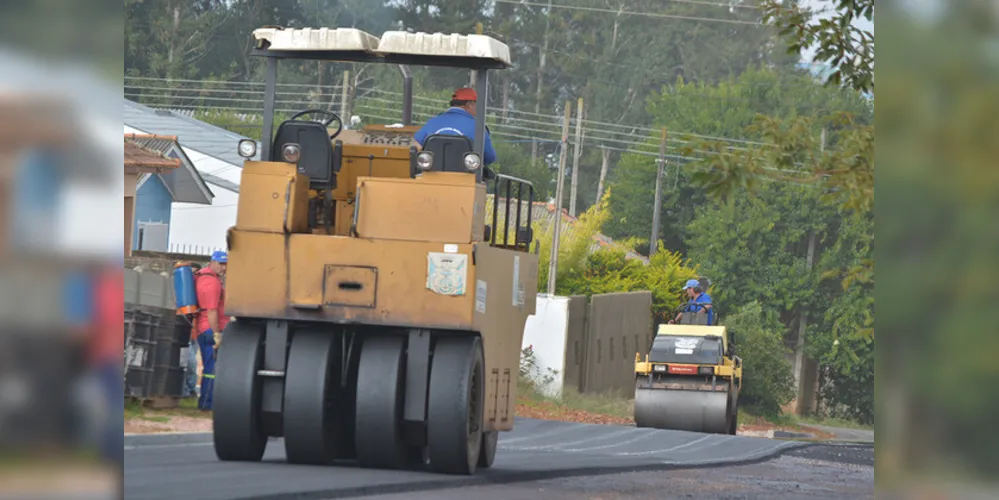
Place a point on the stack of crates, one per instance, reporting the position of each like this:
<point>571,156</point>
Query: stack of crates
<point>155,356</point>
<point>140,355</point>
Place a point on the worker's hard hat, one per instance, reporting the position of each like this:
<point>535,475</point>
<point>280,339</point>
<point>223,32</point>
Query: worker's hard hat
<point>464,94</point>
<point>692,284</point>
<point>220,256</point>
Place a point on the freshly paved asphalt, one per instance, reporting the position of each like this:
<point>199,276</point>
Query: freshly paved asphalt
<point>185,466</point>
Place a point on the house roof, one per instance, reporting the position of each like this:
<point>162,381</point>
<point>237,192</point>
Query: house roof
<point>194,134</point>
<point>185,184</point>
<point>139,158</point>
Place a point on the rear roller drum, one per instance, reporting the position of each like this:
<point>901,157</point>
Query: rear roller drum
<point>311,417</point>
<point>237,432</point>
<point>380,390</point>
<point>455,408</point>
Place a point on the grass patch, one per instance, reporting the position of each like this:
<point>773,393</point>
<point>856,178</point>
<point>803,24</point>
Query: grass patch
<point>187,407</point>
<point>834,422</point>
<point>573,404</point>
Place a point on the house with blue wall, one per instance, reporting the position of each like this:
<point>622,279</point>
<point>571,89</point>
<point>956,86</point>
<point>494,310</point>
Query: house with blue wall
<point>155,193</point>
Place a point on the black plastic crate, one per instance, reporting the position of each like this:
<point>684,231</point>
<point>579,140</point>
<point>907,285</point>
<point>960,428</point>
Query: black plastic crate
<point>139,383</point>
<point>141,325</point>
<point>168,381</point>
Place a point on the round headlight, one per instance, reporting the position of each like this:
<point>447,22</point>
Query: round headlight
<point>290,153</point>
<point>472,162</point>
<point>425,160</point>
<point>247,148</point>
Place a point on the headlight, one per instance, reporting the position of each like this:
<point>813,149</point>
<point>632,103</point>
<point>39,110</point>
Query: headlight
<point>659,368</point>
<point>425,160</point>
<point>247,148</point>
<point>290,153</point>
<point>472,162</point>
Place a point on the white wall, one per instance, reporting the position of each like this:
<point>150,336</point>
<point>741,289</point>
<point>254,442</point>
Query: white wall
<point>547,330</point>
<point>204,225</point>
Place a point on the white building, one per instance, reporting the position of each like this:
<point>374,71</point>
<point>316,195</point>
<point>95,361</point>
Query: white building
<point>212,150</point>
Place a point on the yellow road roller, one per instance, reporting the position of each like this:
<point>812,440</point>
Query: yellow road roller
<point>690,379</point>
<point>379,315</point>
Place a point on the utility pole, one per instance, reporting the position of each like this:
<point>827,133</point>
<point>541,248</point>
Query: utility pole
<point>575,156</point>
<point>553,260</point>
<point>660,164</point>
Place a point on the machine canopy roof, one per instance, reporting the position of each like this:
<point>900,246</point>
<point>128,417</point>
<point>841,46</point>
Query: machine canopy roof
<point>395,47</point>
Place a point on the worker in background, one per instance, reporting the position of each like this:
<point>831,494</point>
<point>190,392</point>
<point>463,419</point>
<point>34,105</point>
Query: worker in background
<point>191,370</point>
<point>105,354</point>
<point>210,322</point>
<point>698,300</point>
<point>459,119</point>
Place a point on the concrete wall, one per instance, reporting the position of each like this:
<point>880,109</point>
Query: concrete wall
<point>546,331</point>
<point>575,347</point>
<point>149,289</point>
<point>591,343</point>
<point>617,326</point>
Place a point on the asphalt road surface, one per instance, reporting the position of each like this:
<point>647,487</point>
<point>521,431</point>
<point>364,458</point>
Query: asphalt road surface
<point>553,459</point>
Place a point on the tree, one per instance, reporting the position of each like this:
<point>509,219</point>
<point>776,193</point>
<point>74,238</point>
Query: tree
<point>722,110</point>
<point>790,153</point>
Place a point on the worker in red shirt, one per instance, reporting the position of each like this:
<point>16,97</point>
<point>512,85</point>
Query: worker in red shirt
<point>105,352</point>
<point>210,322</point>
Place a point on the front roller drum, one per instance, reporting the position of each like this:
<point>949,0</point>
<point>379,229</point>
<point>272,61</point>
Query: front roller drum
<point>684,410</point>
<point>455,406</point>
<point>312,416</point>
<point>236,428</point>
<point>381,390</point>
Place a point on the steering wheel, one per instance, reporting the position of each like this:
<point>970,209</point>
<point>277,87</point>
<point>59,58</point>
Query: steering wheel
<point>330,117</point>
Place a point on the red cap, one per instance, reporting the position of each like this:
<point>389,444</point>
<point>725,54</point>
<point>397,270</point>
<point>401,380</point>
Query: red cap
<point>464,94</point>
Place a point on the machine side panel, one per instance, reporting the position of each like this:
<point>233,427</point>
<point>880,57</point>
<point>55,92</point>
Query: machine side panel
<point>272,198</point>
<point>500,317</point>
<point>354,280</point>
<point>369,161</point>
<point>256,281</point>
<point>425,210</point>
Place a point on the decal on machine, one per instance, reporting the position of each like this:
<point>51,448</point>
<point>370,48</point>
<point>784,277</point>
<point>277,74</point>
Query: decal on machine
<point>480,296</point>
<point>447,273</point>
<point>518,288</point>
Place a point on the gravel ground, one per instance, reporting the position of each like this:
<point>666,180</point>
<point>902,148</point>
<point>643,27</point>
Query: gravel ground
<point>818,472</point>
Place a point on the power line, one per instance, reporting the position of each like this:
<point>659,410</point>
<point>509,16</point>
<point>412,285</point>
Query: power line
<point>630,13</point>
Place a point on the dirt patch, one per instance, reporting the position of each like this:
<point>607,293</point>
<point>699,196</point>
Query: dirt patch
<point>168,423</point>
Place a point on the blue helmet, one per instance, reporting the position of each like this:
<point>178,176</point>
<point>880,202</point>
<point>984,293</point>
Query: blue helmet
<point>692,284</point>
<point>220,256</point>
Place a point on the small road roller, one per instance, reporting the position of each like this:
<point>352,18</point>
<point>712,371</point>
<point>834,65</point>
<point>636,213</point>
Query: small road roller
<point>378,314</point>
<point>690,379</point>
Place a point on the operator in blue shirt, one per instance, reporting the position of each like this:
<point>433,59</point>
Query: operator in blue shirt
<point>699,297</point>
<point>459,119</point>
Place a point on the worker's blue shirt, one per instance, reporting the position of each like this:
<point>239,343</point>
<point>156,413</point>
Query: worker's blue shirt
<point>703,298</point>
<point>455,121</point>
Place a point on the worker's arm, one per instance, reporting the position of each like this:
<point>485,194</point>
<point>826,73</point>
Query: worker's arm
<point>213,323</point>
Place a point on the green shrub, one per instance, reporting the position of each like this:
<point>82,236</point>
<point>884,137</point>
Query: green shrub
<point>768,380</point>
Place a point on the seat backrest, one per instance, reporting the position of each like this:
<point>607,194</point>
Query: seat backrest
<point>316,157</point>
<point>699,317</point>
<point>449,152</point>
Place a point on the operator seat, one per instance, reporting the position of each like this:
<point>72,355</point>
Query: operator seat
<point>449,154</point>
<point>318,158</point>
